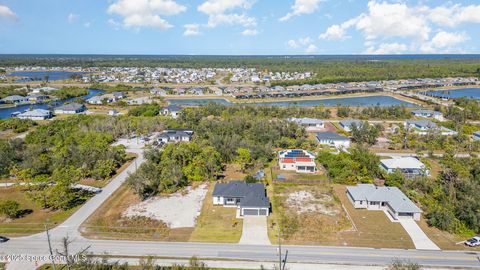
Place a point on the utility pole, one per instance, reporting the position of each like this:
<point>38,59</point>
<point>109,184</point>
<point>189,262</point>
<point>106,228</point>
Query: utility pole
<point>50,247</point>
<point>279,250</point>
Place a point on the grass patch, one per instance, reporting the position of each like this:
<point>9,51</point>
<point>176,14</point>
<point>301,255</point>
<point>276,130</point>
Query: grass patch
<point>443,239</point>
<point>374,229</point>
<point>32,222</point>
<point>217,223</point>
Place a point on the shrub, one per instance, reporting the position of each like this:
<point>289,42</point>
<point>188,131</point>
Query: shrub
<point>10,208</point>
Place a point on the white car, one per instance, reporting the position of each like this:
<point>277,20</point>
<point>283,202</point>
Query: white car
<point>473,242</point>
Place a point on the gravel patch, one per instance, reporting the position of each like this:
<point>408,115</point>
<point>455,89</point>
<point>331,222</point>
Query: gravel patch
<point>178,210</point>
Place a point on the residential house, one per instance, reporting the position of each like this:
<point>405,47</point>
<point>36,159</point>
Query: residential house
<point>409,166</point>
<point>37,98</point>
<point>113,112</point>
<point>37,114</point>
<point>118,95</point>
<point>96,100</point>
<point>172,110</point>
<point>72,108</point>
<point>16,99</point>
<point>476,135</point>
<point>310,124</point>
<point>250,199</point>
<point>175,135</point>
<point>333,139</point>
<point>428,114</point>
<point>423,127</point>
<point>297,160</point>
<point>389,199</point>
<point>347,124</point>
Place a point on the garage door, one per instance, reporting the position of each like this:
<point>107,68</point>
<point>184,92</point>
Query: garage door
<point>263,212</point>
<point>250,212</point>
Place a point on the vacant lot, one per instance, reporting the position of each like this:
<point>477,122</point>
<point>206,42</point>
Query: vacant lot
<point>445,240</point>
<point>308,214</point>
<point>34,218</point>
<point>314,215</point>
<point>177,210</point>
<point>108,222</point>
<point>294,177</point>
<point>217,223</point>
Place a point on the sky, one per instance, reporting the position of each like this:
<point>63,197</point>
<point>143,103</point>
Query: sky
<point>239,27</point>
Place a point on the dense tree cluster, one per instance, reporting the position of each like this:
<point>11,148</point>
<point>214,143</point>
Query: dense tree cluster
<point>145,110</point>
<point>376,112</point>
<point>70,92</point>
<point>366,133</point>
<point>173,167</point>
<point>358,166</point>
<point>16,125</point>
<point>451,200</point>
<point>469,110</point>
<point>55,156</point>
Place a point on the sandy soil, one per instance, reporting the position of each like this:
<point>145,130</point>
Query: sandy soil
<point>307,202</point>
<point>178,210</point>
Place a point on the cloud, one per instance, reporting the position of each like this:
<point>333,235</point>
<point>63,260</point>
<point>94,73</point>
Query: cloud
<point>87,24</point>
<point>311,49</point>
<point>400,27</point>
<point>387,48</point>
<point>145,13</point>
<point>7,13</point>
<point>72,17</point>
<point>302,7</point>
<point>192,29</point>
<point>305,44</point>
<point>337,32</point>
<point>301,42</point>
<point>249,32</point>
<point>455,15</point>
<point>225,12</point>
<point>444,42</point>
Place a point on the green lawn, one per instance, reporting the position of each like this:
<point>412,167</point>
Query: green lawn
<point>217,223</point>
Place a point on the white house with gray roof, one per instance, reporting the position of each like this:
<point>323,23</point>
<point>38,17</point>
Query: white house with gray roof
<point>476,135</point>
<point>347,124</point>
<point>308,123</point>
<point>389,199</point>
<point>71,108</point>
<point>175,135</point>
<point>172,110</point>
<point>333,139</point>
<point>16,99</point>
<point>409,166</point>
<point>249,198</point>
<point>423,127</point>
<point>428,114</point>
<point>37,114</point>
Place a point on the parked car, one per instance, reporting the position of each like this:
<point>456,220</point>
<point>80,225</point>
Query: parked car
<point>473,242</point>
<point>3,239</point>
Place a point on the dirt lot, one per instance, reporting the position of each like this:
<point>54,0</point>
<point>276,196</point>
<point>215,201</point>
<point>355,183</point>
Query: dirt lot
<point>107,222</point>
<point>217,223</point>
<point>177,210</point>
<point>309,214</point>
<point>318,218</point>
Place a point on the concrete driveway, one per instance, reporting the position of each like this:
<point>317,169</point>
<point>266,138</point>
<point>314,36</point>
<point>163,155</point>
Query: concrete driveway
<point>254,231</point>
<point>419,238</point>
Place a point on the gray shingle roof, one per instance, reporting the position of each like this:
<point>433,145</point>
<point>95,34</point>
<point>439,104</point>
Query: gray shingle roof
<point>250,194</point>
<point>422,123</point>
<point>397,200</point>
<point>331,136</point>
<point>348,123</point>
<point>71,107</point>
